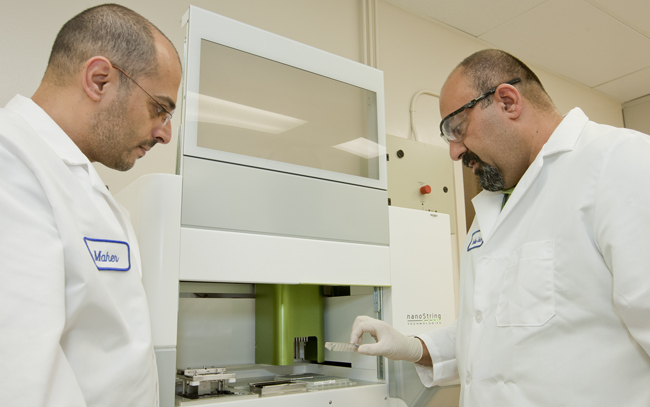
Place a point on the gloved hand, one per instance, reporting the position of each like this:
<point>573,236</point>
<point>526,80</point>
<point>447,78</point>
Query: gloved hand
<point>390,342</point>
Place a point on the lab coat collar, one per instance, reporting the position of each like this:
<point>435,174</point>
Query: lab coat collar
<point>48,129</point>
<point>487,204</point>
<point>62,145</point>
<point>566,135</point>
<point>56,138</point>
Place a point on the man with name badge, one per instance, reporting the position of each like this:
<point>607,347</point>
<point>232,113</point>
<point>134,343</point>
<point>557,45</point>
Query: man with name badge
<point>554,304</point>
<point>74,321</point>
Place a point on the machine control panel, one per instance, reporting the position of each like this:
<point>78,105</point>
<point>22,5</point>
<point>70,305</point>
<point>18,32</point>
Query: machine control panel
<point>420,176</point>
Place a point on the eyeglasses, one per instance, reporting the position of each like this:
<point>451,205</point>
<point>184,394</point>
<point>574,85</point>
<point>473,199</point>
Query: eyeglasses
<point>161,109</point>
<point>454,125</point>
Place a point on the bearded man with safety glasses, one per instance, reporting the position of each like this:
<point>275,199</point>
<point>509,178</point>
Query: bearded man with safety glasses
<point>554,304</point>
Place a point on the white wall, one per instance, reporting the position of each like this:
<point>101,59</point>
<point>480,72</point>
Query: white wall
<point>637,114</point>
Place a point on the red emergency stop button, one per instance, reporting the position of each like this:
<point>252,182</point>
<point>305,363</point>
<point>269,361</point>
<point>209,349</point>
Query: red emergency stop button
<point>425,190</point>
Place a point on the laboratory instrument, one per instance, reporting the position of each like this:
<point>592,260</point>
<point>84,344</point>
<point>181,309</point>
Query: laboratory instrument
<point>275,232</point>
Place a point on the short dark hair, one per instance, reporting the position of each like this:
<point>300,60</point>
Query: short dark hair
<point>109,30</point>
<point>490,67</point>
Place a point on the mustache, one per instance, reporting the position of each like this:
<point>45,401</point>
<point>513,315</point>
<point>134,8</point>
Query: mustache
<point>468,157</point>
<point>148,143</point>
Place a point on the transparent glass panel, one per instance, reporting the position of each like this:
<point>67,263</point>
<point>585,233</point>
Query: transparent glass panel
<point>257,107</point>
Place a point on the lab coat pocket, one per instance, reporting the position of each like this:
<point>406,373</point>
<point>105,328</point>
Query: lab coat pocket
<point>527,295</point>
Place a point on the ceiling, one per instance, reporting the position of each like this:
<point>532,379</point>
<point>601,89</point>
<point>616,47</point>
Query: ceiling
<point>603,44</point>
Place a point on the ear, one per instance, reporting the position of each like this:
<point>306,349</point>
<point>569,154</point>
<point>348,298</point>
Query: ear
<point>98,78</point>
<point>509,100</point>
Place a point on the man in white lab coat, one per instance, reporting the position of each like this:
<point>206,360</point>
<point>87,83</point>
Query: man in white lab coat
<point>74,321</point>
<point>554,305</point>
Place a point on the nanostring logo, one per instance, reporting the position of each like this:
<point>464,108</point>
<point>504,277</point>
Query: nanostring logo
<point>424,319</point>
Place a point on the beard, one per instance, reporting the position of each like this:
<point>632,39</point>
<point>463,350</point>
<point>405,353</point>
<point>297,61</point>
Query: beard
<point>113,137</point>
<point>489,177</point>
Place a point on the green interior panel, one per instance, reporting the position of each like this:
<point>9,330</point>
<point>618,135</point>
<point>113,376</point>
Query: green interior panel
<point>284,312</point>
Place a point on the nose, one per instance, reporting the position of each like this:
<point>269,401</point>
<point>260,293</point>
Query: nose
<point>456,150</point>
<point>163,134</point>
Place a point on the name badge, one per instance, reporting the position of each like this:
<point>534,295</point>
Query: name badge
<point>109,254</point>
<point>476,241</point>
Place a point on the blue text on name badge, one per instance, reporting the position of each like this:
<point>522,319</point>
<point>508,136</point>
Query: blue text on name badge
<point>476,241</point>
<point>109,254</point>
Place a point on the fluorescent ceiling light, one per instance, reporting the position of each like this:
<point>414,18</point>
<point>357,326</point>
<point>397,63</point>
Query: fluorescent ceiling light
<point>363,148</point>
<point>213,110</point>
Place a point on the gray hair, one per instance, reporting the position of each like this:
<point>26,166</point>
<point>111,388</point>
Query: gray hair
<point>109,30</point>
<point>491,67</point>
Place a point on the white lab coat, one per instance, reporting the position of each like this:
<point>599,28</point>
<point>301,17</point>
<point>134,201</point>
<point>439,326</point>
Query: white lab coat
<point>555,289</point>
<point>74,322</point>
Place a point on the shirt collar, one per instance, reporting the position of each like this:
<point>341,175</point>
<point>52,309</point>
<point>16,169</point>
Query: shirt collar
<point>49,131</point>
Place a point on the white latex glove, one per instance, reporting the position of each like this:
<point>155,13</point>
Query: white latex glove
<point>390,342</point>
